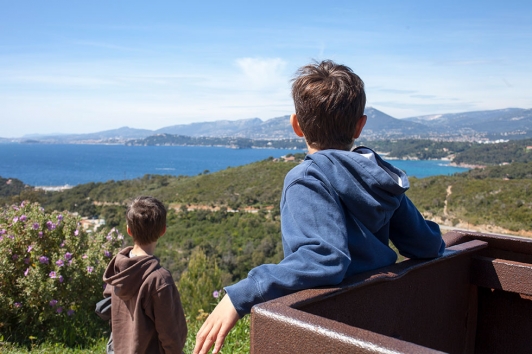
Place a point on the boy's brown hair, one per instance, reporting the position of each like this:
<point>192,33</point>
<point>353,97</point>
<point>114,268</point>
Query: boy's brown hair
<point>329,99</point>
<point>146,219</point>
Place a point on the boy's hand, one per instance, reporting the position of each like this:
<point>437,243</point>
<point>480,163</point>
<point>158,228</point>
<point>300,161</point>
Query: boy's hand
<point>216,327</point>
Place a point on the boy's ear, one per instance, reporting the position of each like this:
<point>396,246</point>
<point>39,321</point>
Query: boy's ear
<point>360,125</point>
<point>295,125</point>
<point>129,231</point>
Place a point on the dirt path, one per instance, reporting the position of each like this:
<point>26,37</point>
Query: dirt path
<point>192,207</point>
<point>449,192</point>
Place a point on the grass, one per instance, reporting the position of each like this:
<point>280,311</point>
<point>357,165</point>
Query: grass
<point>52,348</point>
<point>236,342</point>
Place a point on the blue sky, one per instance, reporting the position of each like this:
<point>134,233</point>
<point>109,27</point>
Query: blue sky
<point>86,66</point>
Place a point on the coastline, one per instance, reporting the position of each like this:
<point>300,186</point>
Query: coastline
<point>466,165</point>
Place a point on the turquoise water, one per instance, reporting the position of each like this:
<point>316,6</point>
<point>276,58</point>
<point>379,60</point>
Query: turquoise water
<point>57,165</point>
<point>426,168</point>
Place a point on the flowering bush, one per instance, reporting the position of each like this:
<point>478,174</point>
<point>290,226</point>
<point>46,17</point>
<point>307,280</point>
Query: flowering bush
<point>51,275</point>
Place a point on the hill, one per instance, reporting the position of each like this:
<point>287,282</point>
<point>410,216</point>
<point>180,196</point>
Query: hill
<point>237,143</point>
<point>496,154</point>
<point>233,215</point>
<point>510,123</point>
<point>10,187</point>
<point>109,136</point>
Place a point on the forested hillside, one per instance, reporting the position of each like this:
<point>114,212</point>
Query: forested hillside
<point>495,154</point>
<point>10,187</point>
<point>421,149</point>
<point>233,215</point>
<point>240,143</point>
<point>458,152</point>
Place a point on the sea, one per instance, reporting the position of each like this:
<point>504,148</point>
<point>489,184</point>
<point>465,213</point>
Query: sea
<point>54,165</point>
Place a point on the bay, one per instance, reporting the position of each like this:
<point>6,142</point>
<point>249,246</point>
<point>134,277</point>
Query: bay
<point>73,164</point>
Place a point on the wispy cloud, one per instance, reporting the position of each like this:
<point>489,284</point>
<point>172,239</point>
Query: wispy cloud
<point>395,91</point>
<point>61,80</point>
<point>472,62</point>
<point>107,46</point>
<point>262,73</point>
<point>424,97</point>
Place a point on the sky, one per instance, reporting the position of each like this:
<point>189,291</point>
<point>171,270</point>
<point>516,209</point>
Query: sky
<point>88,66</point>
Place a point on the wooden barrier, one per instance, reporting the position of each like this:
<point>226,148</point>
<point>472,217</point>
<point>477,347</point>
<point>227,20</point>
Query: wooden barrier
<point>476,298</point>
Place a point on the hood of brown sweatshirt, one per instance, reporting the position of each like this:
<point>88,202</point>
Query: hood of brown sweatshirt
<point>126,274</point>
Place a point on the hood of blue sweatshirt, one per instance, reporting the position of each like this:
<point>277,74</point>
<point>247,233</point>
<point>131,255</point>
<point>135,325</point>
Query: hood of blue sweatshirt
<point>362,175</point>
<point>339,211</point>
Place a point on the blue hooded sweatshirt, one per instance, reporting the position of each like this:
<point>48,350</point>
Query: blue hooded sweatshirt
<point>339,210</point>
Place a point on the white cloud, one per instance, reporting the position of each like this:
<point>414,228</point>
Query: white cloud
<point>262,73</point>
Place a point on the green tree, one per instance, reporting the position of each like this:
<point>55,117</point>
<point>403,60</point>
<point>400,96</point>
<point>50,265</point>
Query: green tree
<point>199,282</point>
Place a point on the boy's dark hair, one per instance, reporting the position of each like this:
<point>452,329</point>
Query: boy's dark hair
<point>146,218</point>
<point>329,99</point>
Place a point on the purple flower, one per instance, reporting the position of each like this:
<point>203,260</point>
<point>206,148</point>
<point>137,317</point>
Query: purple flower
<point>27,260</point>
<point>35,226</point>
<point>90,269</point>
<point>71,312</point>
<point>17,304</point>
<point>62,244</point>
<point>109,237</point>
<point>50,225</point>
<point>68,256</point>
<point>52,275</point>
<point>59,309</point>
<point>60,263</point>
<point>84,256</point>
<point>215,294</point>
<point>107,254</point>
<point>30,247</point>
<point>61,278</point>
<point>14,257</point>
<point>53,303</point>
<point>11,237</point>
<point>15,219</point>
<point>40,234</point>
<point>60,217</point>
<point>44,259</point>
<point>23,217</point>
<point>15,207</point>
<point>76,232</point>
<point>26,272</point>
<point>3,232</point>
<point>70,262</point>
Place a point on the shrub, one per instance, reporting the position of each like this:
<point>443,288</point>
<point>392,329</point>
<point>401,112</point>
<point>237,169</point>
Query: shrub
<point>51,276</point>
<point>198,283</point>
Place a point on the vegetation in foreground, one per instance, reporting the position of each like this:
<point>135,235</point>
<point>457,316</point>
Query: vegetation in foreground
<point>50,276</point>
<point>225,223</point>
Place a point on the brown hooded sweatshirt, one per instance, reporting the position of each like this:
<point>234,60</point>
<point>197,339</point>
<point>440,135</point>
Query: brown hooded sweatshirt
<point>146,311</point>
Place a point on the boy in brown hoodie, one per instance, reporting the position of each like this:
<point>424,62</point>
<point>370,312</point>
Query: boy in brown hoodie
<point>146,311</point>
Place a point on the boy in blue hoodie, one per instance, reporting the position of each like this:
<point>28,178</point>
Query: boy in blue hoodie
<point>339,209</point>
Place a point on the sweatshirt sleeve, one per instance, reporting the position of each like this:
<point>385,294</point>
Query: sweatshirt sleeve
<point>169,318</point>
<point>414,236</point>
<point>315,244</point>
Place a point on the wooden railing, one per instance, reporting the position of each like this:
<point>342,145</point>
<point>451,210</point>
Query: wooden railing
<point>476,298</point>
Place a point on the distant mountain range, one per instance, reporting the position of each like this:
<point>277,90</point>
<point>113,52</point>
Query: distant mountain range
<point>510,123</point>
